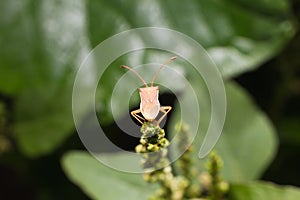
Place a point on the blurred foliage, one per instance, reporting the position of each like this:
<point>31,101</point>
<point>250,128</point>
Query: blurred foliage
<point>50,37</point>
<point>41,48</point>
<point>101,182</point>
<point>263,190</point>
<point>44,42</point>
<point>245,155</point>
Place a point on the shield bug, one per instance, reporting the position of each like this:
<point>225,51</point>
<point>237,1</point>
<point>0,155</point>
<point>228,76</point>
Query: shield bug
<point>150,106</point>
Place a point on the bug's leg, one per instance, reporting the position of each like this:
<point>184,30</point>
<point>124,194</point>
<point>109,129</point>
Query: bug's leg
<point>165,110</point>
<point>136,116</point>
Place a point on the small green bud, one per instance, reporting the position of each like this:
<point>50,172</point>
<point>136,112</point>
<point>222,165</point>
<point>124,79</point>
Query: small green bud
<point>152,147</point>
<point>223,186</point>
<point>143,141</point>
<point>193,190</point>
<point>167,169</point>
<point>139,149</point>
<point>161,133</point>
<point>147,177</point>
<point>183,182</point>
<point>205,180</point>
<point>164,142</point>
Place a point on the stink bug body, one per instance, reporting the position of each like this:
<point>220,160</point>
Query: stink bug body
<point>150,106</point>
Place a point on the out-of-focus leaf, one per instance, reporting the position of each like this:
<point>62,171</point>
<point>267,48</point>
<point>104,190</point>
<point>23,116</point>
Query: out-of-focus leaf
<point>238,34</point>
<point>42,42</point>
<point>101,182</point>
<point>263,190</point>
<point>247,144</point>
<point>43,122</point>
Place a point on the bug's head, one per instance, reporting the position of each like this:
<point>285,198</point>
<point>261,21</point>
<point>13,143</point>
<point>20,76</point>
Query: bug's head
<point>155,75</point>
<point>149,94</point>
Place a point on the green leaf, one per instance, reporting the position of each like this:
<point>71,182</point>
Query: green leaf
<point>247,143</point>
<point>40,49</point>
<point>238,35</point>
<point>43,122</point>
<point>263,190</point>
<point>101,182</point>
<point>42,43</point>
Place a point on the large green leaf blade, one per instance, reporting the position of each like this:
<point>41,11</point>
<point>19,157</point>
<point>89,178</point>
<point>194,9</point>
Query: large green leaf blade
<point>263,190</point>
<point>43,42</point>
<point>247,143</point>
<point>101,182</point>
<point>41,48</point>
<point>237,35</point>
<point>43,122</point>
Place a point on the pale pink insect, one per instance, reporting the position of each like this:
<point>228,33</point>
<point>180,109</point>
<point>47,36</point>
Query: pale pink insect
<point>150,106</point>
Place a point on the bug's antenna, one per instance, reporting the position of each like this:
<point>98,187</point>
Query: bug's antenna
<point>156,74</point>
<point>135,72</point>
